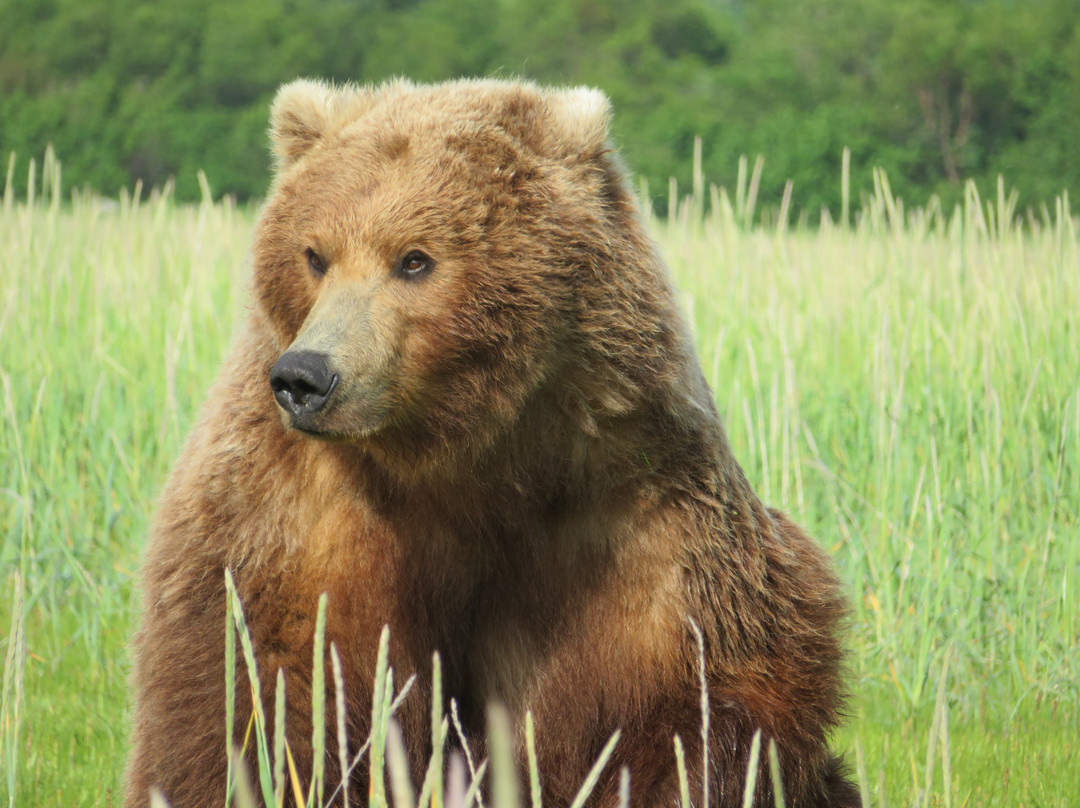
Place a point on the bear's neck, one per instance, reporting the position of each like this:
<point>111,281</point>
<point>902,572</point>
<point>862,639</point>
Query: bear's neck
<point>556,459</point>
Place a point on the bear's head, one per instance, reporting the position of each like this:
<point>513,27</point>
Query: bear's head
<point>434,258</point>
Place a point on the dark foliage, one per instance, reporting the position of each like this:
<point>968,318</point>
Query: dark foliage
<point>933,91</point>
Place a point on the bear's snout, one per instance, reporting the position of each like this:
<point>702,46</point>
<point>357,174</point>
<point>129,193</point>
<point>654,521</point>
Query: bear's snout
<point>303,382</point>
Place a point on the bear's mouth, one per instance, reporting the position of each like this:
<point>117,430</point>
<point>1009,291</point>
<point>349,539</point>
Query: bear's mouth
<point>350,416</point>
<point>321,435</point>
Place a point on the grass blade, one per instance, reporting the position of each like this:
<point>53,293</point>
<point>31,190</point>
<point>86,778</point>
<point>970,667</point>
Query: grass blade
<point>534,768</point>
<point>752,771</point>
<point>294,777</point>
<point>684,781</point>
<point>777,779</point>
<point>860,773</point>
<point>245,794</point>
<point>594,773</point>
<point>11,700</point>
<point>455,781</point>
<point>433,779</point>
<point>505,792</point>
<point>704,712</point>
<point>397,761</point>
<point>473,794</point>
<point>379,707</point>
<point>432,788</point>
<point>342,722</point>
<point>318,706</point>
<point>474,771</point>
<point>438,730</point>
<point>230,695</point>
<point>279,738</point>
<point>263,752</point>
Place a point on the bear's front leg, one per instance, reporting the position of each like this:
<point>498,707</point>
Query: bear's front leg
<point>178,737</point>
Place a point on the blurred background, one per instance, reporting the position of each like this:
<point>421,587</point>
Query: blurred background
<point>933,91</point>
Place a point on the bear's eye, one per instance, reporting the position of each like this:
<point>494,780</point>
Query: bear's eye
<point>315,261</point>
<point>415,264</point>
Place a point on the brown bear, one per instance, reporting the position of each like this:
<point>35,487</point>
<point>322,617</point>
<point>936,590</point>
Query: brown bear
<point>465,405</point>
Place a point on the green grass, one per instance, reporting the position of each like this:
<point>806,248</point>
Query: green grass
<point>907,386</point>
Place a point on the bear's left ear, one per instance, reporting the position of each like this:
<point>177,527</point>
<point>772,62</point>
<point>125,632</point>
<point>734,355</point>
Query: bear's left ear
<point>305,111</point>
<point>578,120</point>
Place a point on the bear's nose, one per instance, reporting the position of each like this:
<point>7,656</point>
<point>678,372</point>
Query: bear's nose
<point>302,382</point>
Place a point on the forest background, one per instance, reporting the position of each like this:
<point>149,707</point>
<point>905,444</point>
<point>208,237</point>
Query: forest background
<point>932,91</point>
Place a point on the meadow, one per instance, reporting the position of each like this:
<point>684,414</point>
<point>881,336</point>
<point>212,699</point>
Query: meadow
<point>904,381</point>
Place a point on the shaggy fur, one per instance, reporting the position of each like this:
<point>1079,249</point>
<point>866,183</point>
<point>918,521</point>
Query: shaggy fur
<point>520,466</point>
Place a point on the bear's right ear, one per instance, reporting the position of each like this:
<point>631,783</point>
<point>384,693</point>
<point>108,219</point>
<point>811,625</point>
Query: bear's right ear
<point>305,111</point>
<point>577,121</point>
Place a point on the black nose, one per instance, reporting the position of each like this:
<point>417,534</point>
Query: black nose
<point>302,382</point>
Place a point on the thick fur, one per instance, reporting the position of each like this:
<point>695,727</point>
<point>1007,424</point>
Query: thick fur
<point>521,468</point>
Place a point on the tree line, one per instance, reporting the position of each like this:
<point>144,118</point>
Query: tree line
<point>932,91</point>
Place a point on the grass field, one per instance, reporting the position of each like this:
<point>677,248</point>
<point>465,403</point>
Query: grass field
<point>906,385</point>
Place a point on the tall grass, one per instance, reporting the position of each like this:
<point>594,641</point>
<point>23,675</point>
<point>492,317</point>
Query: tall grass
<point>910,388</point>
<point>384,747</point>
<point>905,381</point>
<point>113,314</point>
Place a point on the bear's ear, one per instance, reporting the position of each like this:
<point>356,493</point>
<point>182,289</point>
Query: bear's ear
<point>578,121</point>
<point>304,111</point>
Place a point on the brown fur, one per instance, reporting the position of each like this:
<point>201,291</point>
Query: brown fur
<point>522,468</point>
